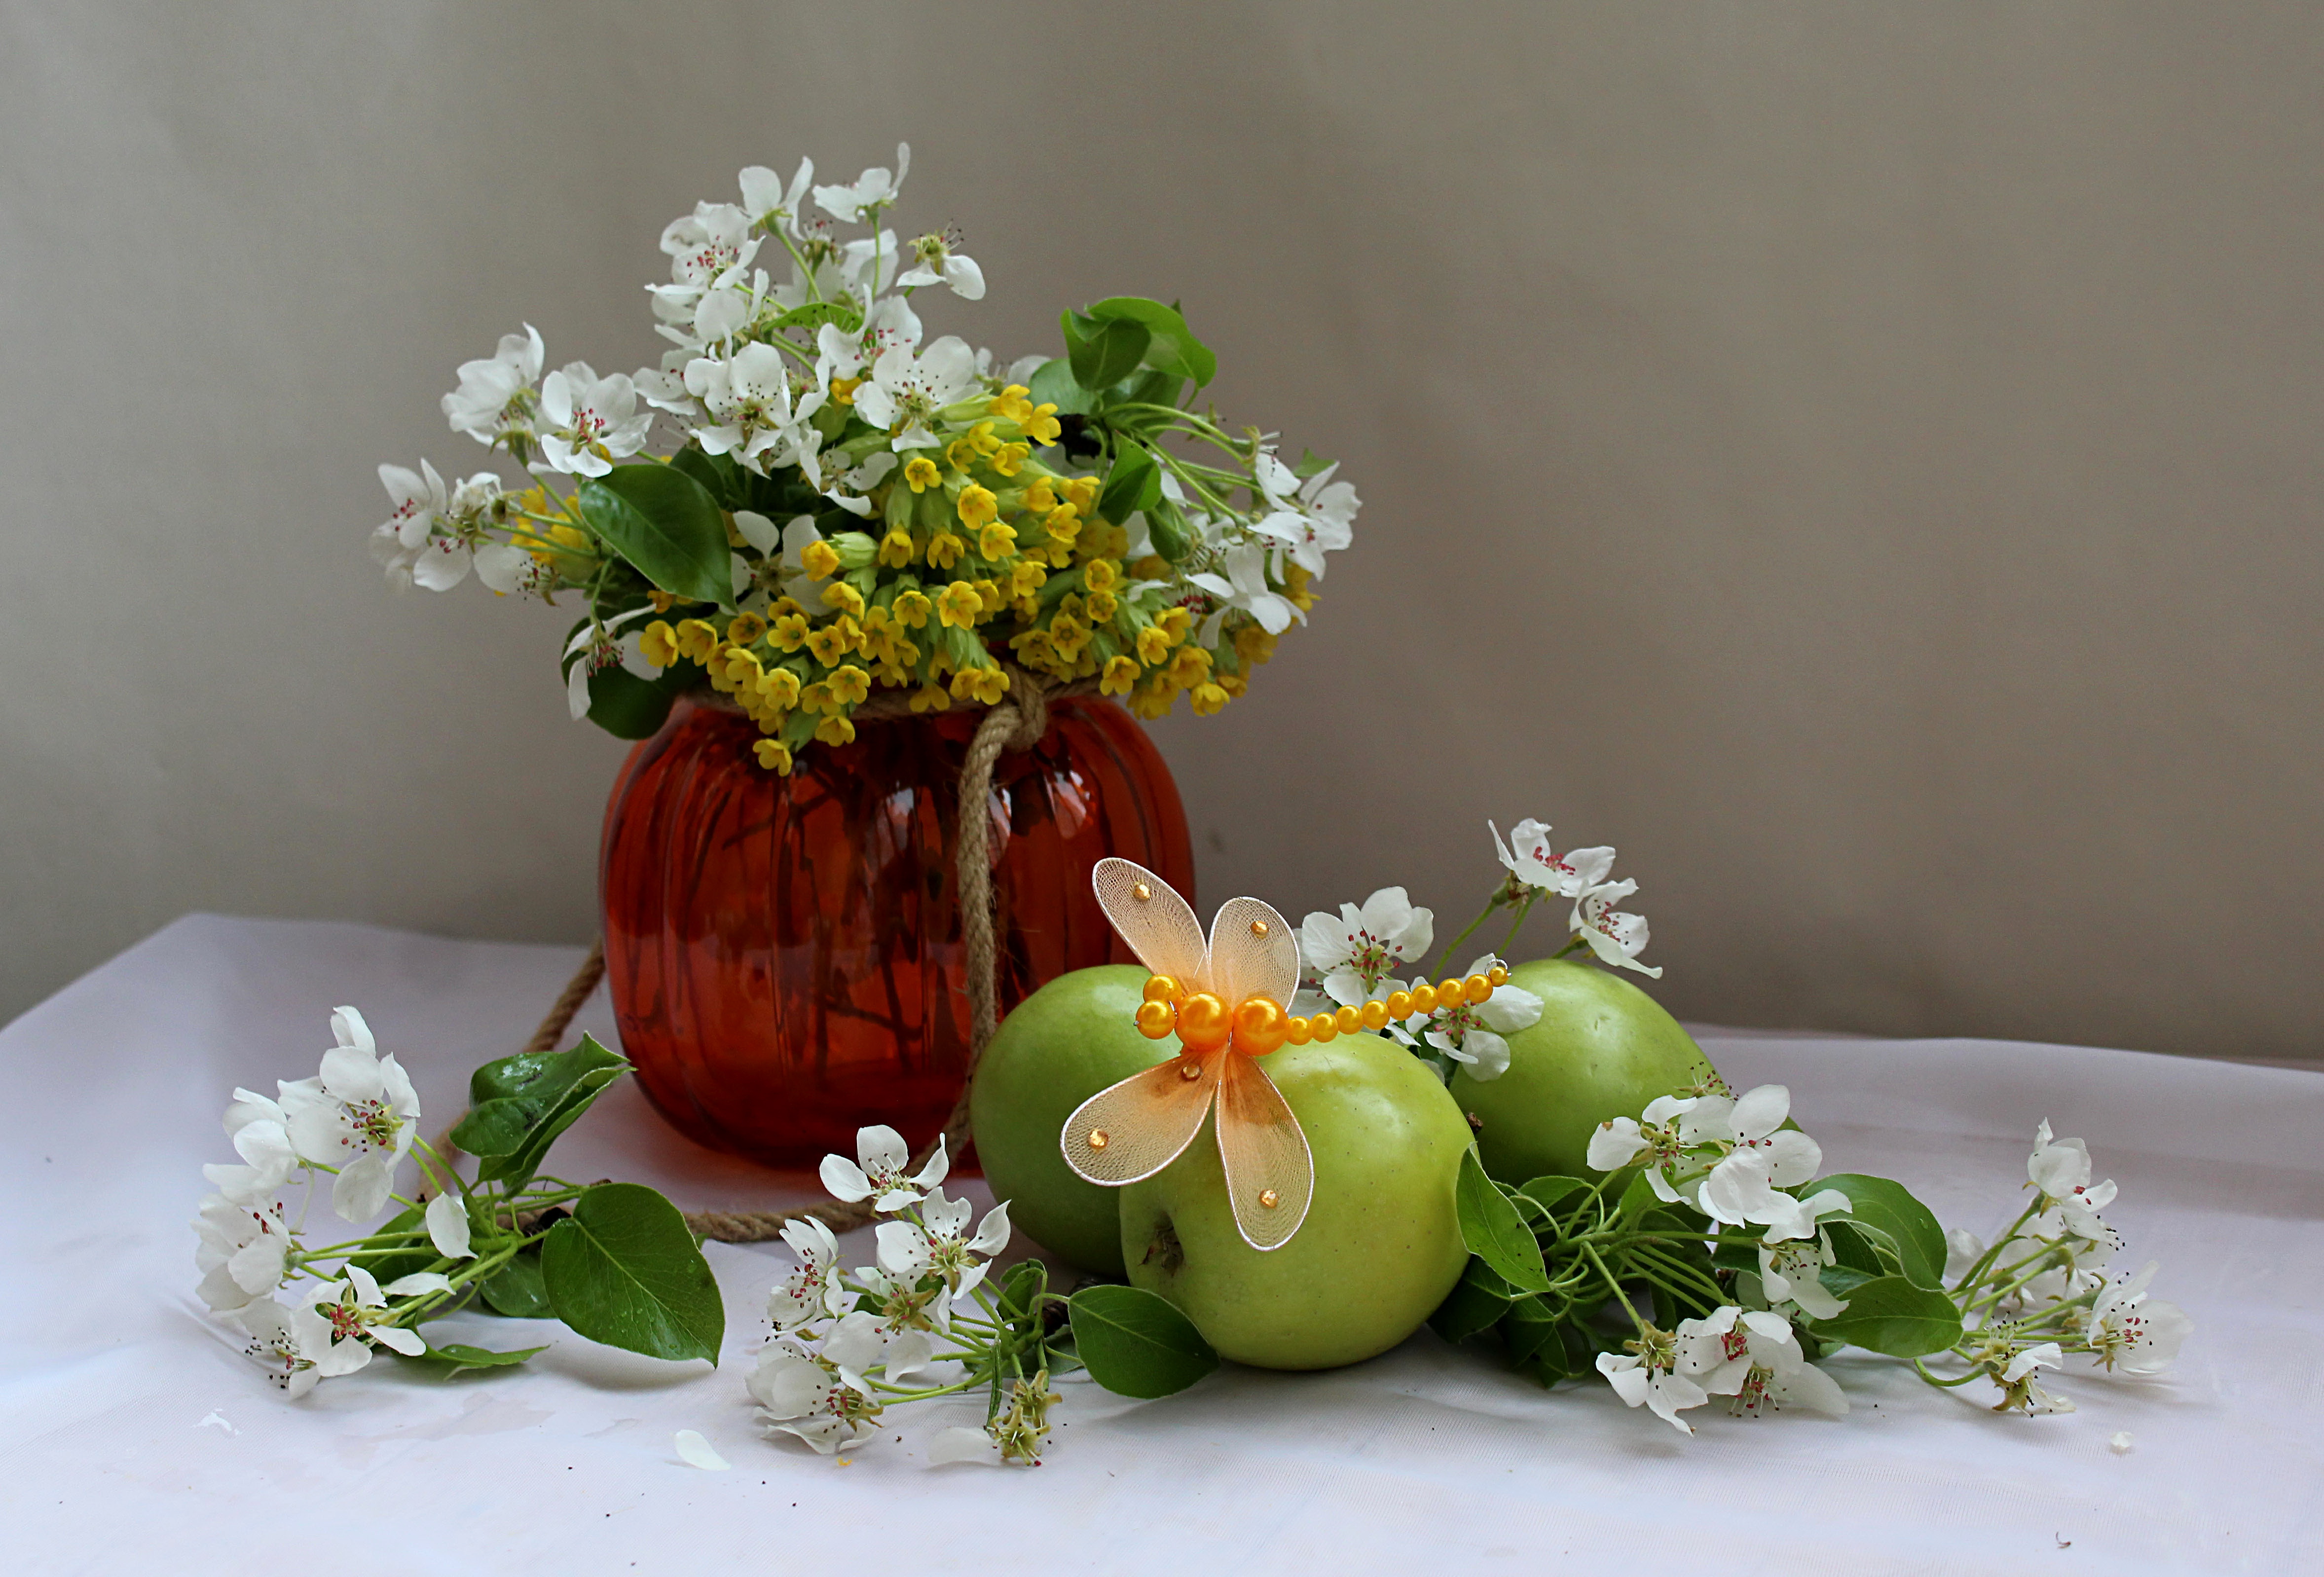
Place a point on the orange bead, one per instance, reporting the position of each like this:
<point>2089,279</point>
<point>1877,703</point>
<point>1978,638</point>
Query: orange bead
<point>1260,1026</point>
<point>1451,992</point>
<point>1476,989</point>
<point>1400,1007</point>
<point>1375,1015</point>
<point>1497,977</point>
<point>1347,1020</point>
<point>1324,1027</point>
<point>1155,1019</point>
<point>1203,1024</point>
<point>1161,988</point>
<point>1298,1032</point>
<point>1424,998</point>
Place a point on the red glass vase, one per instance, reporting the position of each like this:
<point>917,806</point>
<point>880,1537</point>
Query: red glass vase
<point>785,953</point>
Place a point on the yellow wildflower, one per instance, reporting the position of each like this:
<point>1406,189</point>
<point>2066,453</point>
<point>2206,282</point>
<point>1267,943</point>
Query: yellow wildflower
<point>1153,645</point>
<point>895,549</point>
<point>843,596</point>
<point>1176,623</point>
<point>1038,498</point>
<point>778,688</point>
<point>1042,426</point>
<point>1295,587</point>
<point>1033,648</point>
<point>774,755</point>
<point>819,558</point>
<point>747,630</point>
<point>816,698</point>
<point>1100,575</point>
<point>1011,458</point>
<point>661,600</point>
<point>1102,606</point>
<point>1234,684</point>
<point>920,473</point>
<point>1153,567</point>
<point>1120,673</point>
<point>931,697</point>
<point>1190,667</point>
<point>945,549</point>
<point>843,390</point>
<point>850,685</point>
<point>988,597</point>
<point>982,436</point>
<point>1209,700</point>
<point>835,729</point>
<point>912,608</point>
<point>958,607</point>
<point>1063,523</point>
<point>658,643</point>
<point>978,506</point>
<point>789,632</point>
<point>1027,577</point>
<point>1081,493</point>
<point>1253,644</point>
<point>1068,635</point>
<point>741,668</point>
<point>696,640</point>
<point>961,455</point>
<point>830,644</point>
<point>996,540</point>
<point>986,685</point>
<point>1012,404</point>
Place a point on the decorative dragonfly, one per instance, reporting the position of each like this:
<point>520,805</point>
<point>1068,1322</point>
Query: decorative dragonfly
<point>1224,998</point>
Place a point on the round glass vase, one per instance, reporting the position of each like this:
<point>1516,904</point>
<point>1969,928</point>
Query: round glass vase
<point>785,953</point>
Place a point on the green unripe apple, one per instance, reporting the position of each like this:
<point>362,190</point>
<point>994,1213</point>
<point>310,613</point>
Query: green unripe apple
<point>1603,1048</point>
<point>1062,1045</point>
<point>1381,1244</point>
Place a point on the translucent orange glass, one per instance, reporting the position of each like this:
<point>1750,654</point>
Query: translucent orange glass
<point>785,955</point>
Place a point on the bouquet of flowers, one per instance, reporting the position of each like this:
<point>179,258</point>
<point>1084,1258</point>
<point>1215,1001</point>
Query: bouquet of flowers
<point>810,501</point>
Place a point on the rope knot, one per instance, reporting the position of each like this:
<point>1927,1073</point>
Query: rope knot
<point>1031,697</point>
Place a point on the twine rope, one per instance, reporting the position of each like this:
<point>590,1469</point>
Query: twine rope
<point>1017,721</point>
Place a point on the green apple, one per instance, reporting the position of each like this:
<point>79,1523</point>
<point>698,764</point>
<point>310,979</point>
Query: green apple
<point>1062,1045</point>
<point>1603,1048</point>
<point>1381,1244</point>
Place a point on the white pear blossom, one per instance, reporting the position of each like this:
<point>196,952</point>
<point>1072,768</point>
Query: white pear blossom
<point>597,647</point>
<point>241,1252</point>
<point>262,1138</point>
<point>1766,1156</point>
<point>1963,1249</point>
<point>1752,1356</point>
<point>778,571</point>
<point>847,490</point>
<point>872,191</point>
<point>460,543</point>
<point>358,1115</point>
<point>1615,937</point>
<point>338,1322</point>
<point>1310,519</point>
<point>906,390</point>
<point>2019,1382</point>
<point>808,1399</point>
<point>908,1250</point>
<point>1664,1134</point>
<point>1473,1034</point>
<point>961,1444</point>
<point>276,1346</point>
<point>935,261</point>
<point>814,1291</point>
<point>2061,1169</point>
<point>1357,955</point>
<point>706,248</point>
<point>589,422</point>
<point>1244,585</point>
<point>1529,858</point>
<point>752,415</point>
<point>449,1227</point>
<point>1648,1374</point>
<point>1791,1271</point>
<point>2133,1333</point>
<point>878,1171</point>
<point>869,265</point>
<point>495,402</point>
<point>768,203</point>
<point>418,503</point>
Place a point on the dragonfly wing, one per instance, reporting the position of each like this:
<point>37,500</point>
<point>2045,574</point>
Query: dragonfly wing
<point>1160,927</point>
<point>1265,1153</point>
<point>1146,1121</point>
<point>1253,953</point>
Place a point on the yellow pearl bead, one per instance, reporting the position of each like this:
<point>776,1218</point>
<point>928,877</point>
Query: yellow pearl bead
<point>1451,992</point>
<point>1400,1006</point>
<point>1375,1015</point>
<point>1155,1019</point>
<point>1203,1024</point>
<point>1299,1032</point>
<point>1424,998</point>
<point>1347,1020</point>
<point>1324,1027</point>
<point>1476,989</point>
<point>1260,1026</point>
<point>1497,977</point>
<point>1161,988</point>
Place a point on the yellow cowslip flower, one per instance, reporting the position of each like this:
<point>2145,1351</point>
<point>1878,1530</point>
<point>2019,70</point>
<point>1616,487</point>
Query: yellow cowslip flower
<point>1295,587</point>
<point>844,597</point>
<point>1153,645</point>
<point>1081,493</point>
<point>983,439</point>
<point>912,609</point>
<point>1102,606</point>
<point>920,473</point>
<point>997,540</point>
<point>903,653</point>
<point>774,755</point>
<point>747,630</point>
<point>878,637</point>
<point>819,558</point>
<point>1253,644</point>
<point>986,685</point>
<point>958,607</point>
<point>896,548</point>
<point>1012,404</point>
<point>835,729</point>
<point>1032,647</point>
<point>789,632</point>
<point>961,455</point>
<point>658,644</point>
<point>1154,697</point>
<point>830,644</point>
<point>850,685</point>
<point>718,680</point>
<point>843,390</point>
<point>1176,623</point>
<point>1120,673</point>
<point>945,549</point>
<point>1026,577</point>
<point>779,688</point>
<point>931,697</point>
<point>1042,426</point>
<point>1210,700</point>
<point>1190,667</point>
<point>816,698</point>
<point>696,640</point>
<point>770,719</point>
<point>1153,567</point>
<point>1068,635</point>
<point>781,605</point>
<point>1100,575</point>
<point>1063,523</point>
<point>1011,458</point>
<point>660,600</point>
<point>988,597</point>
<point>1234,684</point>
<point>1060,555</point>
<point>978,506</point>
<point>741,668</point>
<point>1071,605</point>
<point>1038,498</point>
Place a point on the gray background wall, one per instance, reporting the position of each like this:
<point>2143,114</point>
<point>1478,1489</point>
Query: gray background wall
<point>1860,459</point>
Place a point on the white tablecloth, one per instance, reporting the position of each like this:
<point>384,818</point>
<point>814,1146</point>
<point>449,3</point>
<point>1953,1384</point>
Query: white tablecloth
<point>135,1438</point>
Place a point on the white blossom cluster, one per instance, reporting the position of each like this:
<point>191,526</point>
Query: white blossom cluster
<point>354,1123</point>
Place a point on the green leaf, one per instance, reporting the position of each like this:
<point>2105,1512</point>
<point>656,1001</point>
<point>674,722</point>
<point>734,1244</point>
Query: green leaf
<point>1021,1289</point>
<point>720,476</point>
<point>518,1105</point>
<point>1895,1315</point>
<point>666,524</point>
<point>1859,1246</point>
<point>1880,1202</point>
<point>1171,347</point>
<point>1545,1192</point>
<point>1134,483</point>
<point>1138,1344</point>
<point>1165,524</point>
<point>517,1290</point>
<point>1053,384</point>
<point>1310,462</point>
<point>624,1270</point>
<point>816,314</point>
<point>1495,1231</point>
<point>1529,1326</point>
<point>625,706</point>
<point>458,1357</point>
<point>1109,355</point>
<point>1477,1301</point>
